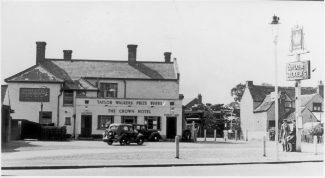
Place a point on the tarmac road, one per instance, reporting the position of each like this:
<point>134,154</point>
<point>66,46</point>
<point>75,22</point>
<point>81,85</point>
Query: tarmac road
<point>94,153</point>
<point>295,169</point>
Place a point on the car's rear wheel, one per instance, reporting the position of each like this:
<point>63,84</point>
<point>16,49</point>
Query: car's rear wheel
<point>123,141</point>
<point>110,143</point>
<point>156,138</point>
<point>140,141</point>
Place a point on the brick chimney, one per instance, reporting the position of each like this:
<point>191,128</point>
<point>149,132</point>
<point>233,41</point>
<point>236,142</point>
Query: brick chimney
<point>132,49</point>
<point>320,88</point>
<point>249,83</point>
<point>40,51</point>
<point>67,54</point>
<point>167,56</point>
<point>200,98</point>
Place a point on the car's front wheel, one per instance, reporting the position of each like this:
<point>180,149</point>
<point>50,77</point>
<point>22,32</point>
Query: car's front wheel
<point>110,143</point>
<point>140,141</point>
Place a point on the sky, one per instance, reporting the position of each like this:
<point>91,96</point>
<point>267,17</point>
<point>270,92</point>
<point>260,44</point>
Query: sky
<point>218,44</point>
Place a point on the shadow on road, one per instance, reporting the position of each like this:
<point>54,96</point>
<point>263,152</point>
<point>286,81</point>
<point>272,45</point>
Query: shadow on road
<point>12,146</point>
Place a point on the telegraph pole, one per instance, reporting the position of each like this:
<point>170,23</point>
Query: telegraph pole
<point>275,23</point>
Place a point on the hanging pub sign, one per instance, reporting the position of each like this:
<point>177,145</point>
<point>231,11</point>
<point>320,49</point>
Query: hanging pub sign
<point>297,39</point>
<point>299,70</point>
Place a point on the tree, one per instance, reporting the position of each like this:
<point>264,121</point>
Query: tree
<point>238,91</point>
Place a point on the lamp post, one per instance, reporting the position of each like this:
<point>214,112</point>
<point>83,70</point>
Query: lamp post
<point>43,94</point>
<point>275,33</point>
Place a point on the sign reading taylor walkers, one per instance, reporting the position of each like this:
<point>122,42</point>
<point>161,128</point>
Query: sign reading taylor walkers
<point>118,102</point>
<point>299,70</point>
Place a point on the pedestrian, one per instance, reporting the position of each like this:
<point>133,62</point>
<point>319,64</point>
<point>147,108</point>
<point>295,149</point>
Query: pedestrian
<point>284,133</point>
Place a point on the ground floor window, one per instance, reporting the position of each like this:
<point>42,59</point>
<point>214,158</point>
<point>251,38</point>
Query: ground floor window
<point>104,121</point>
<point>67,121</point>
<point>152,122</point>
<point>129,119</point>
<point>45,117</point>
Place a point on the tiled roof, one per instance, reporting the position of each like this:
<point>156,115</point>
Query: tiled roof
<point>3,92</point>
<point>267,103</point>
<point>306,98</point>
<point>76,69</point>
<point>192,103</point>
<point>80,84</point>
<point>37,73</point>
<point>291,117</point>
<point>70,71</point>
<point>259,92</point>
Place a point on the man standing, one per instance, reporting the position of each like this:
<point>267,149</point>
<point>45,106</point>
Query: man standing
<point>284,133</point>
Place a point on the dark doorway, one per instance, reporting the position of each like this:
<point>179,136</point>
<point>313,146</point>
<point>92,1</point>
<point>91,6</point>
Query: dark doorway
<point>171,127</point>
<point>86,125</point>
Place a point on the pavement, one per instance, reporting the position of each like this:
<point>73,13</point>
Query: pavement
<point>33,154</point>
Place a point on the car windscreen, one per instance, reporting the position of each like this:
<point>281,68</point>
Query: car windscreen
<point>113,127</point>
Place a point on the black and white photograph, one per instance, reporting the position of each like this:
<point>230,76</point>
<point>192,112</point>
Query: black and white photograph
<point>162,88</point>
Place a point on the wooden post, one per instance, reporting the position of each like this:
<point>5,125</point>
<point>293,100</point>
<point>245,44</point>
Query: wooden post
<point>246,135</point>
<point>177,146</point>
<point>264,146</point>
<point>236,135</point>
<point>205,135</point>
<point>315,145</point>
<point>192,131</point>
<point>215,135</point>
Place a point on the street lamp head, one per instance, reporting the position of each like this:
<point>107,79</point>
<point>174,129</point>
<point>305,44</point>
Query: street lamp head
<point>275,20</point>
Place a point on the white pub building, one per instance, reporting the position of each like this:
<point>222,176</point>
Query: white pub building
<point>85,95</point>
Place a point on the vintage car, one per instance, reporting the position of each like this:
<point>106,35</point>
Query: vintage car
<point>149,134</point>
<point>122,133</point>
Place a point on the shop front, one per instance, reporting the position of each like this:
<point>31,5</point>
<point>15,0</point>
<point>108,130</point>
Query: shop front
<point>93,115</point>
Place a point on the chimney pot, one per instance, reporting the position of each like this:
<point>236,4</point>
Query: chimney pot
<point>167,56</point>
<point>132,56</point>
<point>40,51</point>
<point>67,54</point>
<point>320,88</point>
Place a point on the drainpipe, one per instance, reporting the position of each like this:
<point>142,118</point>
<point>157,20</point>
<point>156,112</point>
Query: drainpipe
<point>124,88</point>
<point>58,108</point>
<point>74,113</point>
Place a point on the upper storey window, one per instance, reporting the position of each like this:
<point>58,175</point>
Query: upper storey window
<point>108,90</point>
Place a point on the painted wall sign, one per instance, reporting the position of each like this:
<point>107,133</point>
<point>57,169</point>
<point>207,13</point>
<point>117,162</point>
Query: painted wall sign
<point>34,94</point>
<point>116,102</point>
<point>299,70</point>
<point>297,39</point>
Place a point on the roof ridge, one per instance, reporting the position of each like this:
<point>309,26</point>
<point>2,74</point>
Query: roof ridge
<point>104,60</point>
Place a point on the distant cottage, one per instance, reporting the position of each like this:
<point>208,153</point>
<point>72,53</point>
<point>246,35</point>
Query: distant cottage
<point>257,114</point>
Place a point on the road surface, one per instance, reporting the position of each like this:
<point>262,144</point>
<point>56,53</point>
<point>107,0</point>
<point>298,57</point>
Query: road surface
<point>293,169</point>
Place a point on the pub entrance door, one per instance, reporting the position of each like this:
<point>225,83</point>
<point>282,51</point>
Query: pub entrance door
<point>171,127</point>
<point>86,125</point>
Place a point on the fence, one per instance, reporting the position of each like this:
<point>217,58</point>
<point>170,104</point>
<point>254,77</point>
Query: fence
<point>310,138</point>
<point>53,133</point>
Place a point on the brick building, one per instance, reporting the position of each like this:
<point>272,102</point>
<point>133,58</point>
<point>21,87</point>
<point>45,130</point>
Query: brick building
<point>84,95</point>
